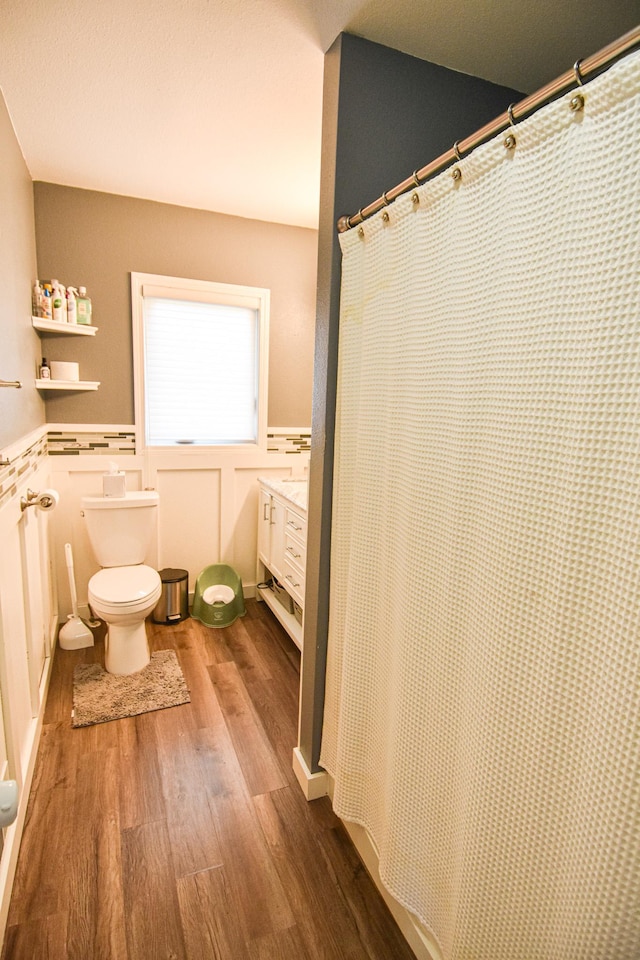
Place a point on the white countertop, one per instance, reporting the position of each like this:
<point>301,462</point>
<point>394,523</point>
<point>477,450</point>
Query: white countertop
<point>295,491</point>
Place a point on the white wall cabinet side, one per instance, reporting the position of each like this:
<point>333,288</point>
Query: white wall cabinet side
<point>25,599</point>
<point>15,664</point>
<point>27,631</point>
<point>34,603</point>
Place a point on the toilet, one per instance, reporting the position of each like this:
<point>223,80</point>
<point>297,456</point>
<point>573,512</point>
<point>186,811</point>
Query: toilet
<point>125,591</point>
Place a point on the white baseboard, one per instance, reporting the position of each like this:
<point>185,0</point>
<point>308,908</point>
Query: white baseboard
<point>421,942</point>
<point>314,785</point>
<point>419,939</point>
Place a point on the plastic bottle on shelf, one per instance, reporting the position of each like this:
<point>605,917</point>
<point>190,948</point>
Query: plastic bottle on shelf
<point>55,302</point>
<point>59,302</point>
<point>72,313</point>
<point>36,299</point>
<point>45,372</point>
<point>63,297</point>
<point>83,306</point>
<point>47,311</point>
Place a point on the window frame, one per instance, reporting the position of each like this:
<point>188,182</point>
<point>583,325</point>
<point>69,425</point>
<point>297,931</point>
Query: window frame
<point>203,291</point>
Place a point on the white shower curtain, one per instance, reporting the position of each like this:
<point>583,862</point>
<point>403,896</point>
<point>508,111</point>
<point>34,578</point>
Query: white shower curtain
<point>483,681</point>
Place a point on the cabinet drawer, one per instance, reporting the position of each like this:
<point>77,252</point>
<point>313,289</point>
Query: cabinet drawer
<point>296,525</point>
<point>293,581</point>
<point>294,552</point>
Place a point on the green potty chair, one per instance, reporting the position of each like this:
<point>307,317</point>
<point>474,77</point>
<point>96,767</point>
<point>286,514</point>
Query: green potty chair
<point>218,598</point>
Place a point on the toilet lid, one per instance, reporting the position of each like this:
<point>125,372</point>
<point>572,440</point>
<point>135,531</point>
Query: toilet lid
<point>124,584</point>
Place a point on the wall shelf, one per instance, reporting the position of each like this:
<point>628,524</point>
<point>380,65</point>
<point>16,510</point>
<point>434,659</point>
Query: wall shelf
<point>288,620</point>
<point>63,329</point>
<point>67,384</point>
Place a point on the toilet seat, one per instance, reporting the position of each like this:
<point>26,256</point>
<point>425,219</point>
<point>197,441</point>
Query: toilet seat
<point>131,587</point>
<point>218,593</point>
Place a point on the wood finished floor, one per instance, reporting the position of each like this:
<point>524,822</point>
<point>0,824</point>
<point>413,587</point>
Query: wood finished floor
<point>183,833</point>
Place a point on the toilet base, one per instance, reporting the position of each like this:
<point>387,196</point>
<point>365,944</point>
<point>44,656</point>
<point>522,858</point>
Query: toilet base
<point>126,648</point>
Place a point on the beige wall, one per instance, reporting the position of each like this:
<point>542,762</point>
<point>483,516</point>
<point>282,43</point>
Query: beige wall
<point>21,411</point>
<point>98,239</point>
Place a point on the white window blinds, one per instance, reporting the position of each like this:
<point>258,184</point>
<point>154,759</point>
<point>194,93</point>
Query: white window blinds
<point>201,371</point>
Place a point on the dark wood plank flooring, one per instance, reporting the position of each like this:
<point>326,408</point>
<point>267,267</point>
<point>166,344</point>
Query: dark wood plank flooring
<point>183,833</point>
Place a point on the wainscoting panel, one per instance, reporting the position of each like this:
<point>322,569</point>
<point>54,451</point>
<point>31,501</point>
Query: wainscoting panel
<point>189,518</point>
<point>28,622</point>
<point>75,477</point>
<point>208,509</point>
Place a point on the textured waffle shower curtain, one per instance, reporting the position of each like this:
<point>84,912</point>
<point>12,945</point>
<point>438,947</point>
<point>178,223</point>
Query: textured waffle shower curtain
<point>482,705</point>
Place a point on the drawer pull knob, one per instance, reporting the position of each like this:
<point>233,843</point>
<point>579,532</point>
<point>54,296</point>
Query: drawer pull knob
<point>292,524</point>
<point>293,553</point>
<point>293,582</point>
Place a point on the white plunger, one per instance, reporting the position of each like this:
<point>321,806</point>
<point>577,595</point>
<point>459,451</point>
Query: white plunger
<point>73,634</point>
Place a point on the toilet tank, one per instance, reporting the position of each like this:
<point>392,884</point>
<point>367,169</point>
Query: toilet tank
<point>120,528</point>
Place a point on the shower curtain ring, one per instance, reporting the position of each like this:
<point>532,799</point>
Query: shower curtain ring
<point>416,178</point>
<point>510,140</point>
<point>456,150</point>
<point>577,74</point>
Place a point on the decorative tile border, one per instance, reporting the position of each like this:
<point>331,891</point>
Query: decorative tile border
<point>109,443</point>
<point>25,463</point>
<point>62,443</point>
<point>283,440</point>
<point>122,443</point>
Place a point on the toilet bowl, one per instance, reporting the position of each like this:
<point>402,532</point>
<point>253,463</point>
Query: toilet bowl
<point>126,590</point>
<point>123,597</point>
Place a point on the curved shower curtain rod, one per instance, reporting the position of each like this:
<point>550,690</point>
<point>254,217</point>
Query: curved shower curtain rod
<point>580,71</point>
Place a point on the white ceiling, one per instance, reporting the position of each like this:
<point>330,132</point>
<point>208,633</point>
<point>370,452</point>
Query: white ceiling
<point>216,104</point>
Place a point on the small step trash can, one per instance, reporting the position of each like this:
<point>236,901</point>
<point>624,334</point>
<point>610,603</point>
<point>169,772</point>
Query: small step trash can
<point>173,605</point>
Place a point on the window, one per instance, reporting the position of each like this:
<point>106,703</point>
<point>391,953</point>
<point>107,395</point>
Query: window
<point>201,361</point>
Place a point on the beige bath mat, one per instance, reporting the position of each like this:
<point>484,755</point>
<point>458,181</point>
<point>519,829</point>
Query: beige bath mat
<point>99,696</point>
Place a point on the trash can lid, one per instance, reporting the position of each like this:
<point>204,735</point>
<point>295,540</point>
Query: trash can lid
<point>172,574</point>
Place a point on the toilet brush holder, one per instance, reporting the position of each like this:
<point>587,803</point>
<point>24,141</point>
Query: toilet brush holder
<point>74,635</point>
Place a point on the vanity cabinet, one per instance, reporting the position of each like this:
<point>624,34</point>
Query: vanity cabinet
<point>282,548</point>
<point>294,554</point>
<point>271,532</point>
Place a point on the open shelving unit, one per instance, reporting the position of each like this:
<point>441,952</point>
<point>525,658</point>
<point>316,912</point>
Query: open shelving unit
<point>288,620</point>
<point>67,384</point>
<point>63,329</point>
<point>57,328</point>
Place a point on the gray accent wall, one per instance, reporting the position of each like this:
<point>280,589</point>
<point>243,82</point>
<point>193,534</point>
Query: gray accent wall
<point>21,411</point>
<point>97,240</point>
<point>385,114</point>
